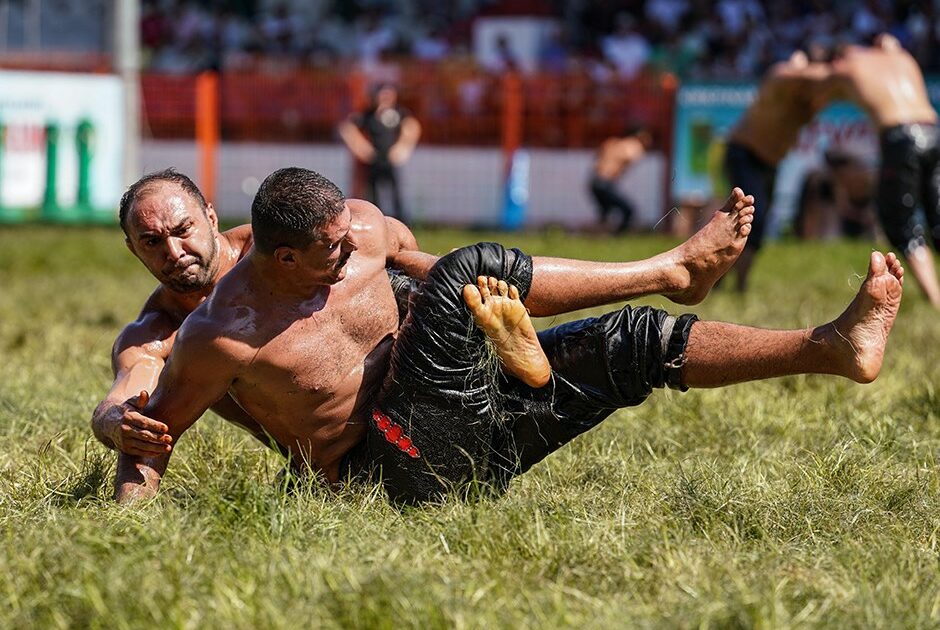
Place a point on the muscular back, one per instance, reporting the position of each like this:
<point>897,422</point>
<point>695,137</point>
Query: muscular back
<point>886,82</point>
<point>787,100</point>
<point>615,155</point>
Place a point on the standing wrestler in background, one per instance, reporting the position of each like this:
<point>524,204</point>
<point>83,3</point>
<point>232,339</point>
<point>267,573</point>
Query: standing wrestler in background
<point>886,82</point>
<point>614,156</point>
<point>383,138</point>
<point>789,97</point>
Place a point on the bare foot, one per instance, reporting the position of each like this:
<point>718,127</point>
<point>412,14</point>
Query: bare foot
<point>711,251</point>
<point>498,312</point>
<point>859,335</point>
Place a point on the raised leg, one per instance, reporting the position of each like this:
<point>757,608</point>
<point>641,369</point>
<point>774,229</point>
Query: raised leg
<point>852,345</point>
<point>684,274</point>
<point>498,312</point>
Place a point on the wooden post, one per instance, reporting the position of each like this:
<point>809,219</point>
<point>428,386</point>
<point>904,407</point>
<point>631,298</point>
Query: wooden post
<point>207,131</point>
<point>512,117</point>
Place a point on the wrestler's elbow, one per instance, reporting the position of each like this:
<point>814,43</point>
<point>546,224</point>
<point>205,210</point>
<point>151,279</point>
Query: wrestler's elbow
<point>99,424</point>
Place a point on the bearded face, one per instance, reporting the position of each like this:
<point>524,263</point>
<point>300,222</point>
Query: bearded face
<point>175,237</point>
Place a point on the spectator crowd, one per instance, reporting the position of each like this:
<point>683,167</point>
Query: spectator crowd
<point>692,39</point>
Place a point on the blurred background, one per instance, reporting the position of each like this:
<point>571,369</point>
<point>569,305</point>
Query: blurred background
<point>513,98</point>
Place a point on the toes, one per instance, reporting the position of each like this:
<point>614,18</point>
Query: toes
<point>894,266</point>
<point>745,229</point>
<point>877,264</point>
<point>743,203</point>
<point>513,292</point>
<point>502,288</point>
<point>733,199</point>
<point>492,284</point>
<point>484,288</point>
<point>472,297</point>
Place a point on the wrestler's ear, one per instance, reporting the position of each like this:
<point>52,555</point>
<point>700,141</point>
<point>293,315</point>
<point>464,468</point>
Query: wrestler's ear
<point>286,256</point>
<point>212,216</point>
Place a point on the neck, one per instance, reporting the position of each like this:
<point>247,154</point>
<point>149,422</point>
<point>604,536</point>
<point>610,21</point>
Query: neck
<point>281,286</point>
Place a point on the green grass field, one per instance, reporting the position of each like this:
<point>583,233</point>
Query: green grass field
<point>800,502</point>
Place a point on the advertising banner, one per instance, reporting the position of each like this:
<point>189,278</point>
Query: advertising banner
<point>706,113</point>
<point>60,146</point>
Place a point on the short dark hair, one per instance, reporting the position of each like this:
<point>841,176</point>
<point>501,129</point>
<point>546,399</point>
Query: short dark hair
<point>143,185</point>
<point>290,207</point>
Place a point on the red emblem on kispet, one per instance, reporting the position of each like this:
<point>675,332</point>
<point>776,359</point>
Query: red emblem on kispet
<point>394,434</point>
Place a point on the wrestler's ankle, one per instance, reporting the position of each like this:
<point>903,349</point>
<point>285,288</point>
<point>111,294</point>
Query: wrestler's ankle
<point>678,275</point>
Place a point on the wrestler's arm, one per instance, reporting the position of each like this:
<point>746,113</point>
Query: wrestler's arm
<point>356,141</point>
<point>197,374</point>
<point>407,141</point>
<point>402,251</point>
<point>137,357</point>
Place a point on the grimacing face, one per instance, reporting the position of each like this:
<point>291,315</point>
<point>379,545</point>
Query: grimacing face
<point>324,261</point>
<point>174,237</point>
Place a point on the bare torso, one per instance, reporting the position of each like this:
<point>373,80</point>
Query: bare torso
<point>308,371</point>
<point>785,102</point>
<point>885,82</point>
<point>615,155</point>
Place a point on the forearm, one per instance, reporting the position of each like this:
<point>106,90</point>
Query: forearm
<point>138,478</point>
<point>130,380</point>
<point>357,143</point>
<point>414,263</point>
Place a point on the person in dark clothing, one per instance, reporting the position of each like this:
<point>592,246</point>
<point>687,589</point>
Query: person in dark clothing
<point>383,138</point>
<point>614,157</point>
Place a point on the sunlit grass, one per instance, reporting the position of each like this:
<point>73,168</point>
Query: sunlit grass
<point>802,502</point>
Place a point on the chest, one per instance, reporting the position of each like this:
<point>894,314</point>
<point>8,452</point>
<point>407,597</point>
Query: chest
<point>327,350</point>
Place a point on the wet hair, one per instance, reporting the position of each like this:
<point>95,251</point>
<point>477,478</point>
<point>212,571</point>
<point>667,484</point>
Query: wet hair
<point>290,207</point>
<point>146,183</point>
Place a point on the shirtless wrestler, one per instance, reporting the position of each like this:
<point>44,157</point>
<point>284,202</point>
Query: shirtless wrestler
<point>173,231</point>
<point>789,97</point>
<point>299,333</point>
<point>614,156</point>
<point>886,82</point>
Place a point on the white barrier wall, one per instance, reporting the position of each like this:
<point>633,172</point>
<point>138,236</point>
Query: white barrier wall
<point>460,186</point>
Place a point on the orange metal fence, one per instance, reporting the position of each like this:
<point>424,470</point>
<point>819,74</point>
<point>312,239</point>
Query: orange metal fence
<point>455,106</point>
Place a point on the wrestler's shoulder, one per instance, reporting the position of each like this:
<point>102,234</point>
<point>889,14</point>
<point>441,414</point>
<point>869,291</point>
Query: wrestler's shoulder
<point>365,211</point>
<point>371,225</point>
<point>216,329</point>
<point>240,238</point>
<point>151,331</point>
